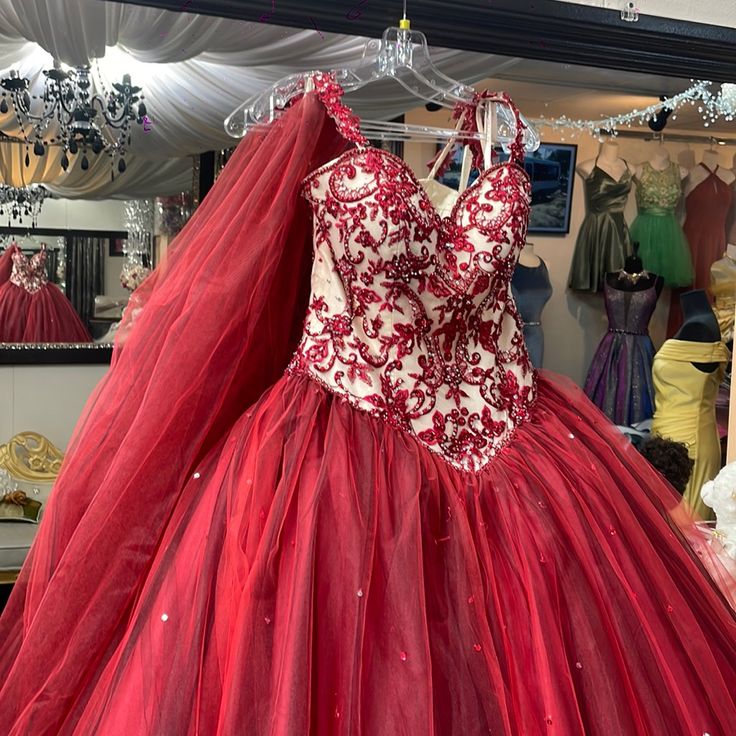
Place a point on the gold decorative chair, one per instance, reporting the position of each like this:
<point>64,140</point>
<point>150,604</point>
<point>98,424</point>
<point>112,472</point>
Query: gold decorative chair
<point>29,465</point>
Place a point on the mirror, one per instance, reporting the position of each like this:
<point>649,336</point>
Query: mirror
<point>63,290</point>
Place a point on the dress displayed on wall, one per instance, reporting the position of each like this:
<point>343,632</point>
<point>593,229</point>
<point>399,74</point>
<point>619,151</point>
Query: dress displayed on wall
<point>619,380</point>
<point>723,289</point>
<point>531,289</point>
<point>707,208</point>
<point>663,247</point>
<point>603,242</point>
<point>686,407</point>
<point>409,531</point>
<point>34,310</point>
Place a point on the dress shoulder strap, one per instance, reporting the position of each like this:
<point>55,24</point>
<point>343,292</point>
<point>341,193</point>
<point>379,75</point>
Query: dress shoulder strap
<point>516,150</point>
<point>329,92</point>
<point>465,114</point>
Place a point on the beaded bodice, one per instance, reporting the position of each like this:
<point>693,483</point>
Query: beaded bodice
<point>629,312</point>
<point>411,317</point>
<point>29,273</point>
<point>658,191</point>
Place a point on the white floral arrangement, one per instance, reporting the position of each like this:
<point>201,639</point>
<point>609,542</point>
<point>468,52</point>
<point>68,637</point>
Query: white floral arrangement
<point>720,495</point>
<point>133,274</point>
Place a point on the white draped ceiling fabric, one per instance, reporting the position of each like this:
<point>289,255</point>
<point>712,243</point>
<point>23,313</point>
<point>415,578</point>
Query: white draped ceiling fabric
<point>194,70</point>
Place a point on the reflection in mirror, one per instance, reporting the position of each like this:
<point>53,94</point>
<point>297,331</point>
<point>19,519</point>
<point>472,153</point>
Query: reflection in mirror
<point>54,284</point>
<point>69,287</point>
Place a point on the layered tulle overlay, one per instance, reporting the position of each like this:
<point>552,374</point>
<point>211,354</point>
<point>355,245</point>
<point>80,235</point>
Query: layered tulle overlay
<point>220,560</point>
<point>323,573</point>
<point>663,247</point>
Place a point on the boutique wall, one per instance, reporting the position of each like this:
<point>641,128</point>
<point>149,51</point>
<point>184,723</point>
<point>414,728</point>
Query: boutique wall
<point>106,214</point>
<point>574,322</point>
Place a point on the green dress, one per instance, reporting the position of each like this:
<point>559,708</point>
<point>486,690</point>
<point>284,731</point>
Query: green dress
<point>603,241</point>
<point>663,247</point>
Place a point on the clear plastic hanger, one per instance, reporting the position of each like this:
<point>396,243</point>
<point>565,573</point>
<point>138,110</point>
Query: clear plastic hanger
<point>403,56</point>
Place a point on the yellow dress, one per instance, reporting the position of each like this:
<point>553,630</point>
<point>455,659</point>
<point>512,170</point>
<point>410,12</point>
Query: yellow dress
<point>723,288</point>
<point>685,408</point>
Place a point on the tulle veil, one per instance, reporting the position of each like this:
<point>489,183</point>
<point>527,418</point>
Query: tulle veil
<point>203,337</point>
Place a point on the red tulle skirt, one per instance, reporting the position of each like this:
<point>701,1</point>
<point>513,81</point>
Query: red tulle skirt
<point>45,315</point>
<point>323,573</point>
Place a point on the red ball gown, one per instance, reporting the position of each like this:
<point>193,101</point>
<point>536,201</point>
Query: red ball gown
<point>409,531</point>
<point>31,308</point>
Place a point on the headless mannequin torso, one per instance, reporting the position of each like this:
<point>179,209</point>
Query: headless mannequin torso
<point>608,160</point>
<point>641,280</point>
<point>708,165</point>
<point>528,257</point>
<point>699,324</point>
<point>659,161</point>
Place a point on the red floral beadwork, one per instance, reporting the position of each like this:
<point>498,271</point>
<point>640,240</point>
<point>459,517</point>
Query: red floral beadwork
<point>470,125</point>
<point>411,316</point>
<point>330,93</point>
<point>29,273</point>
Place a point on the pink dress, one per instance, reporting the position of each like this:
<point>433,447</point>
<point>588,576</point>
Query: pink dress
<point>32,310</point>
<point>409,531</point>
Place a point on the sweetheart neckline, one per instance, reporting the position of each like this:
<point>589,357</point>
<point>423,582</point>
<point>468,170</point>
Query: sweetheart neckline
<point>413,177</point>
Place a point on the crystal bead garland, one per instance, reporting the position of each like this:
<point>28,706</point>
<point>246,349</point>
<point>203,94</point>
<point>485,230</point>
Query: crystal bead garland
<point>138,247</point>
<point>713,103</point>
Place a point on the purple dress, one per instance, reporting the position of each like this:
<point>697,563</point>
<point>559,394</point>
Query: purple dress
<point>619,380</point>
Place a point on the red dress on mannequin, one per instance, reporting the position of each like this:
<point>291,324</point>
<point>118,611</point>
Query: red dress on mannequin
<point>706,211</point>
<point>408,532</point>
<point>34,310</point>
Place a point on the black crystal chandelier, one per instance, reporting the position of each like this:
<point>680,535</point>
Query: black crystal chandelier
<point>84,122</point>
<point>20,202</point>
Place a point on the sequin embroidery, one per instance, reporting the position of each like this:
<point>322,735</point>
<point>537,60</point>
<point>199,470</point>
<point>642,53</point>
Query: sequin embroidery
<point>29,273</point>
<point>411,316</point>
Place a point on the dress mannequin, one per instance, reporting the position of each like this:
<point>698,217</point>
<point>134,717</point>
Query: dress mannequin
<point>609,160</point>
<point>663,246</point>
<point>708,164</point>
<point>723,289</point>
<point>708,203</point>
<point>633,276</point>
<point>531,289</point>
<point>686,158</point>
<point>731,222</point>
<point>687,373</point>
<point>699,323</point>
<point>528,257</point>
<point>619,380</point>
<point>659,161</point>
<point>603,240</point>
